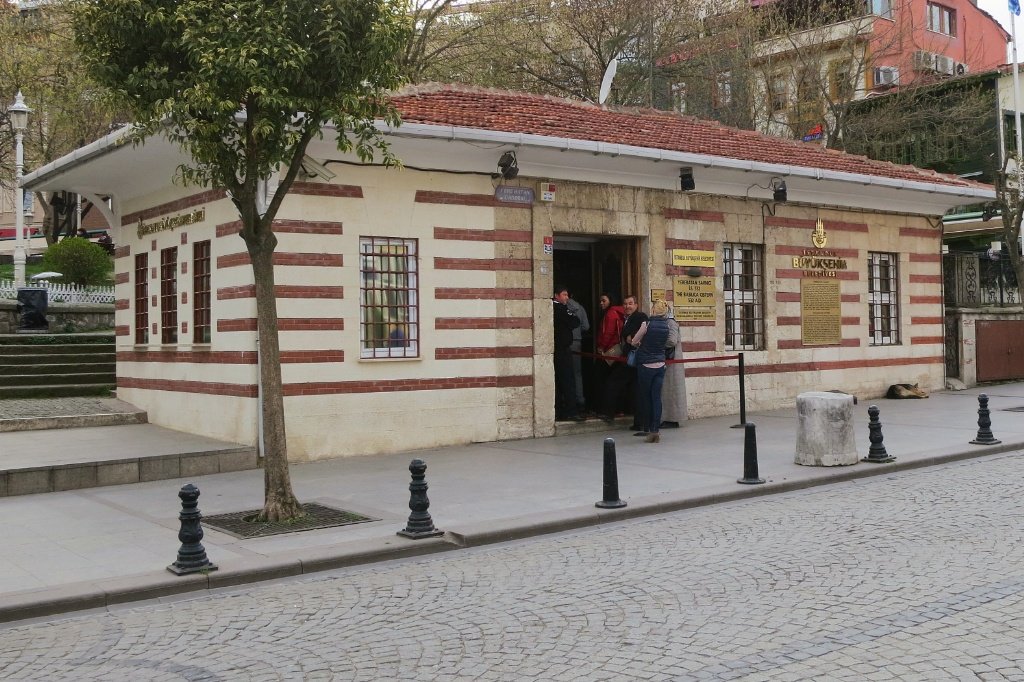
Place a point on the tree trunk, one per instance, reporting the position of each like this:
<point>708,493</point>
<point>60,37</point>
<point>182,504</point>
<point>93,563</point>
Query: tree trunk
<point>279,501</point>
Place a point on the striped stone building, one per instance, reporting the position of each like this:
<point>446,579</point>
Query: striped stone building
<point>414,303</point>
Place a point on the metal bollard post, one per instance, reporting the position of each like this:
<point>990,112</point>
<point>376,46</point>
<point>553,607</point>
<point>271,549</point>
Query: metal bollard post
<point>984,436</point>
<point>750,476</point>
<point>420,525</point>
<point>611,478</point>
<point>876,453</point>
<point>192,555</point>
<point>743,395</point>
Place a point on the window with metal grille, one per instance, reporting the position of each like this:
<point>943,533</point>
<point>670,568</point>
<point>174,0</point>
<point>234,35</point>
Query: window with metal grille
<point>744,296</point>
<point>142,298</point>
<point>883,299</point>
<point>201,292</point>
<point>169,295</point>
<point>389,304</point>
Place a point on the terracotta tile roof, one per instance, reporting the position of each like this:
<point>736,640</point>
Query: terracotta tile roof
<point>514,112</point>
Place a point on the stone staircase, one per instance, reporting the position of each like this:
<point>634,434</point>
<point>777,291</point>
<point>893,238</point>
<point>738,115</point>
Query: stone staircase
<point>56,365</point>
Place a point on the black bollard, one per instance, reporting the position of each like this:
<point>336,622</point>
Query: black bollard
<point>420,524</point>
<point>750,476</point>
<point>611,478</point>
<point>876,453</point>
<point>192,554</point>
<point>984,436</point>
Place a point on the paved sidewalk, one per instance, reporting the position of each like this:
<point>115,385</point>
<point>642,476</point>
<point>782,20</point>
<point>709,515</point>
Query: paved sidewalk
<point>96,547</point>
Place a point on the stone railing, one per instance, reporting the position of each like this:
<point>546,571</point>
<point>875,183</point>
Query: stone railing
<point>57,292</point>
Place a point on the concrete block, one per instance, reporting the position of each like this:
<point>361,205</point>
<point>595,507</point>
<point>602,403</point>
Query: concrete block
<point>825,429</point>
<point>28,482</point>
<point>117,473</point>
<point>74,477</point>
<point>159,468</point>
<point>200,465</point>
<point>238,460</point>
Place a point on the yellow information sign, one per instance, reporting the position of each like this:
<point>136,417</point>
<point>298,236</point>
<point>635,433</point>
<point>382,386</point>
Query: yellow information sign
<point>658,295</point>
<point>689,257</point>
<point>821,318</point>
<point>693,314</point>
<point>694,291</point>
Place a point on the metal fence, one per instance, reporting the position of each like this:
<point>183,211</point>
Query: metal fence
<point>973,280</point>
<point>57,292</point>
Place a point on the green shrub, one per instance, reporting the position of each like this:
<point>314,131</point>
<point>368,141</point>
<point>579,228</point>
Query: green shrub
<point>79,260</point>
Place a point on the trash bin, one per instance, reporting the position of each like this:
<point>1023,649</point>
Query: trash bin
<point>32,309</point>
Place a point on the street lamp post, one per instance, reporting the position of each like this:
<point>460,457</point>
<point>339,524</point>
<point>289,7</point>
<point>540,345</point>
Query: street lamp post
<point>18,113</point>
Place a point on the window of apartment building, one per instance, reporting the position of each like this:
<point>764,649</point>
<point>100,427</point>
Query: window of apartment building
<point>941,19</point>
<point>201,292</point>
<point>142,298</point>
<point>679,97</point>
<point>169,295</point>
<point>722,94</point>
<point>389,297</point>
<point>778,93</point>
<point>744,296</point>
<point>841,74</point>
<point>882,8</point>
<point>883,299</point>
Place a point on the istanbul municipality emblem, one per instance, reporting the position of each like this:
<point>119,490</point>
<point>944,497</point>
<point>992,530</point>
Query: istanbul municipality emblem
<point>818,236</point>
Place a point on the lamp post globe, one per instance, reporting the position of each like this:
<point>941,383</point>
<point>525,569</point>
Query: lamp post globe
<point>18,115</point>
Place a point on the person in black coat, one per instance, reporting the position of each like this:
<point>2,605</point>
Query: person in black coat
<point>565,379</point>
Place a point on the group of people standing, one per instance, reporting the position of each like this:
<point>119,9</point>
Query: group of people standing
<point>649,386</point>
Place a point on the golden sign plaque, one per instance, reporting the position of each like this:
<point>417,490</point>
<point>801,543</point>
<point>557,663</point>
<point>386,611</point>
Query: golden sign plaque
<point>821,319</point>
<point>693,314</point>
<point>685,258</point>
<point>694,291</point>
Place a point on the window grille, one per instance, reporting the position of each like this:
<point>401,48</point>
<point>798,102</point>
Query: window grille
<point>169,295</point>
<point>201,292</point>
<point>883,299</point>
<point>142,298</point>
<point>744,296</point>
<point>389,302</point>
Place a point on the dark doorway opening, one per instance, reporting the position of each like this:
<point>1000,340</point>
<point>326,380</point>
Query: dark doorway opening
<point>588,267</point>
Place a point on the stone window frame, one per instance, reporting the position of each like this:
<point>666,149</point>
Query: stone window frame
<point>743,291</point>
<point>883,299</point>
<point>389,310</point>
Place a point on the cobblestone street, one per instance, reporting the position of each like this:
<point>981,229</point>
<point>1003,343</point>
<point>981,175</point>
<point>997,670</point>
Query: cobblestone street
<point>914,576</point>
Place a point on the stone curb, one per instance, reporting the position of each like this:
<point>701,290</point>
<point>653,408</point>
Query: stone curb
<point>72,422</point>
<point>158,585</point>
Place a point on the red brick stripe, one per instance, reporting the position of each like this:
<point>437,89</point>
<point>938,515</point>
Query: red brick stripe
<point>689,244</point>
<point>312,356</point>
<point>483,352</point>
<point>122,252</point>
<point>429,197</point>
<point>920,232</point>
<point>790,273</point>
<point>786,368</point>
<point>830,225</point>
<point>925,258</point>
<point>923,340</point>
<point>185,356</point>
<point>468,235</point>
<point>687,214</point>
<point>512,264</point>
<point>698,346</point>
<point>697,323</point>
<point>485,294</point>
<point>680,271</point>
<point>926,320</point>
<point>121,278</point>
<point>281,291</point>
<point>786,250</point>
<point>203,387</point>
<point>172,206</point>
<point>121,304</point>
<point>788,344</point>
<point>400,385</point>
<point>313,259</point>
<point>287,227</point>
<point>925,299</point>
<point>322,189</point>
<point>284,324</point>
<point>926,279</point>
<point>243,324</point>
<point>483,323</point>
<point>122,330</point>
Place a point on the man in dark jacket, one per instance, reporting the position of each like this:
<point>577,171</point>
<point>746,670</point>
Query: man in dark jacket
<point>565,380</point>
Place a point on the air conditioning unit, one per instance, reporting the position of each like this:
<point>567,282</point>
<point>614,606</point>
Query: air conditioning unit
<point>924,60</point>
<point>886,75</point>
<point>960,69</point>
<point>944,64</point>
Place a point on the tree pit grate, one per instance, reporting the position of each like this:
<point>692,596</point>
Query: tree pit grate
<point>243,525</point>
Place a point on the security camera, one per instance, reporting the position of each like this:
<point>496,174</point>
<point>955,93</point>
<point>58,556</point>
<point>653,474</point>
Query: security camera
<point>314,169</point>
